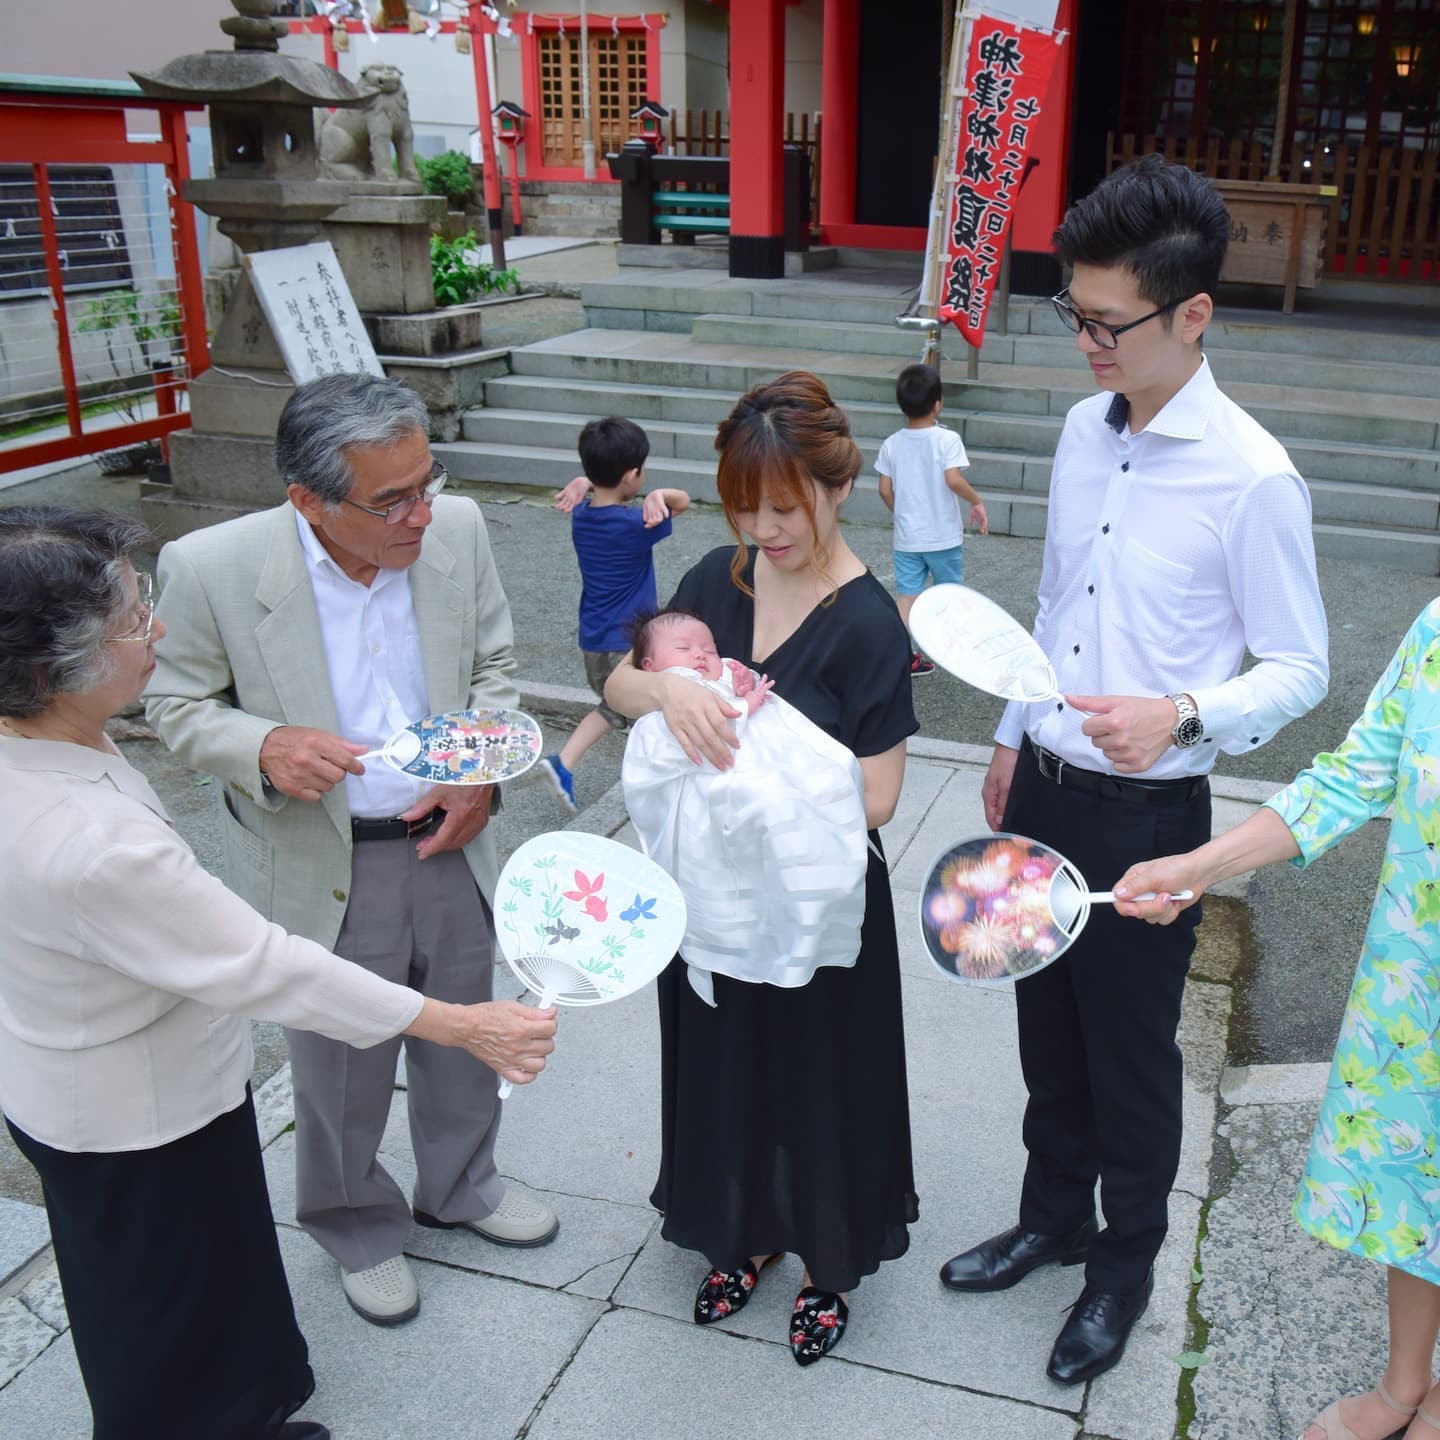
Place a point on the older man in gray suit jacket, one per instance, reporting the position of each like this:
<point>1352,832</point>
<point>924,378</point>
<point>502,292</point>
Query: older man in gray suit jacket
<point>298,639</point>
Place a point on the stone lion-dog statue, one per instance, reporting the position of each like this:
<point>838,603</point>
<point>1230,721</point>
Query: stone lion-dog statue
<point>356,144</point>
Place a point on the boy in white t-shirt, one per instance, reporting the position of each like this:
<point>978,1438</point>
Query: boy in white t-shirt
<point>922,479</point>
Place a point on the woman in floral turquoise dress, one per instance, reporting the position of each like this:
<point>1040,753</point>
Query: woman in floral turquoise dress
<point>1372,1181</point>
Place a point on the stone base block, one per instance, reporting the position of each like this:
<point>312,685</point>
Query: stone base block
<point>449,385</point>
<point>435,332</point>
<point>171,516</point>
<point>229,469</point>
<point>386,265</point>
<point>679,257</point>
<point>232,405</point>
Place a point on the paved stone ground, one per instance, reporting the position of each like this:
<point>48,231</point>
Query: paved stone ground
<point>589,1336</point>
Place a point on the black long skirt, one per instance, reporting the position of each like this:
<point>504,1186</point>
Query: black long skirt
<point>785,1115</point>
<point>178,1302</point>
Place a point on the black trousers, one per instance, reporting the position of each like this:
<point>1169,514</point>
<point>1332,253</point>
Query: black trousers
<point>178,1302</point>
<point>1097,1032</point>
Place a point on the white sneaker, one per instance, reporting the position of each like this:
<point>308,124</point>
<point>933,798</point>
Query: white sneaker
<point>385,1294</point>
<point>519,1220</point>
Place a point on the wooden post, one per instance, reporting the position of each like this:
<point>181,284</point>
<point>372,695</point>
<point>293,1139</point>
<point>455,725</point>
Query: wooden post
<point>494,212</point>
<point>1282,93</point>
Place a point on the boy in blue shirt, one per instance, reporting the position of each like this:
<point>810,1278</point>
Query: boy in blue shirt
<point>614,543</point>
<point>922,479</point>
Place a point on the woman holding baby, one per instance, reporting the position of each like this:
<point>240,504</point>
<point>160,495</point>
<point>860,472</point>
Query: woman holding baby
<point>785,1115</point>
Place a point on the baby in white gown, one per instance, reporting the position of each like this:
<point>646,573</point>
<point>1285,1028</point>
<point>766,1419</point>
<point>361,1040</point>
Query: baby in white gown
<point>770,853</point>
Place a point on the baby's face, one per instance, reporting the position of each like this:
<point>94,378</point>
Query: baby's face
<point>688,643</point>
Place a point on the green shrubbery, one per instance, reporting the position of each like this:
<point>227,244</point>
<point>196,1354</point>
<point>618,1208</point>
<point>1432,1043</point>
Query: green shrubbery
<point>461,275</point>
<point>447,175</point>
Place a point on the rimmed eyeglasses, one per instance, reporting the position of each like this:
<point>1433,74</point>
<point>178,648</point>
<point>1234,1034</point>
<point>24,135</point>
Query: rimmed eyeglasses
<point>1107,337</point>
<point>145,616</point>
<point>394,514</point>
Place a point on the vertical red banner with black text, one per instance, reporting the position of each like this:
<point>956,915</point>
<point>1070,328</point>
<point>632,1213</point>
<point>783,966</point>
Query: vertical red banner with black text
<point>1007,75</point>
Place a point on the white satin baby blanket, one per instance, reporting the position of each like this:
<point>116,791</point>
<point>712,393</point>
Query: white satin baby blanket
<point>770,854</point>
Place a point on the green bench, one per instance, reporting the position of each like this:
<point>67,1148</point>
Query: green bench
<point>671,207</point>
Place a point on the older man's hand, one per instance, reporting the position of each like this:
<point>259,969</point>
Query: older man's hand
<point>304,763</point>
<point>467,813</point>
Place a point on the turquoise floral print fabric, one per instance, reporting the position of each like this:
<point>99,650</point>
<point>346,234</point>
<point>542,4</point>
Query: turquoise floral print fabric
<point>1371,1181</point>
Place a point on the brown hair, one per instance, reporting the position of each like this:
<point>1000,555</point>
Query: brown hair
<point>778,438</point>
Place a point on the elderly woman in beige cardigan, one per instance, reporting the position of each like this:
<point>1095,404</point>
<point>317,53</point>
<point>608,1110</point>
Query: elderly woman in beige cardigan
<point>124,1072</point>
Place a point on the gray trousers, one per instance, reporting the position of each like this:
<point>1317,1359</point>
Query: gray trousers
<point>422,924</point>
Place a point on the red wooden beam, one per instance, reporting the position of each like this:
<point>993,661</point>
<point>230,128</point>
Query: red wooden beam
<point>757,106</point>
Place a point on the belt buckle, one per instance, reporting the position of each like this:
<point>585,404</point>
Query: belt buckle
<point>1052,767</point>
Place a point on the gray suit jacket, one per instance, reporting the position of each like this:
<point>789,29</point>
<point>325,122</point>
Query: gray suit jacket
<point>244,654</point>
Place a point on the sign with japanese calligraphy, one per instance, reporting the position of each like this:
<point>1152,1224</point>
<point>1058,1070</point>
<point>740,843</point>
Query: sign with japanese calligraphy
<point>1007,75</point>
<point>312,312</point>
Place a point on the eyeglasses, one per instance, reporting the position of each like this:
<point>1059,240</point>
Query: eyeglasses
<point>1105,336</point>
<point>394,514</point>
<point>145,620</point>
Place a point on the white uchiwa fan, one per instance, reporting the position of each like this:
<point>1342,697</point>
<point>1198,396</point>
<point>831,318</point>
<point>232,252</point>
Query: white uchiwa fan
<point>582,920</point>
<point>463,747</point>
<point>973,638</point>
<point>998,907</point>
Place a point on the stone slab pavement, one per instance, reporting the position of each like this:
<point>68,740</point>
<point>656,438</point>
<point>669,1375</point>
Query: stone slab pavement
<point>591,1336</point>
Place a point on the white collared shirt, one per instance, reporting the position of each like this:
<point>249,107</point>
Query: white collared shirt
<point>1168,555</point>
<point>377,675</point>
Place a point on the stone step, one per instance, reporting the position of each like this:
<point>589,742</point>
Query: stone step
<point>1393,549</point>
<point>1011,512</point>
<point>681,440</point>
<point>519,432</point>
<point>999,432</point>
<point>1058,350</point>
<point>875,298</point>
<point>650,359</point>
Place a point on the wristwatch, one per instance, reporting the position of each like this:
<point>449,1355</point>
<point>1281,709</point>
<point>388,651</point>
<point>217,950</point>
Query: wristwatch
<point>1189,728</point>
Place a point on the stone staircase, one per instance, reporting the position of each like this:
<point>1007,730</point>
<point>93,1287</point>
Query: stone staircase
<point>1358,411</point>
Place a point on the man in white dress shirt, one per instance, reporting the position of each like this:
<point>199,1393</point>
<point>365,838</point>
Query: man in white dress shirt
<point>1178,538</point>
<point>299,638</point>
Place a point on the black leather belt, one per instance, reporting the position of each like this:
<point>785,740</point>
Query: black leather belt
<point>1111,787</point>
<point>397,829</point>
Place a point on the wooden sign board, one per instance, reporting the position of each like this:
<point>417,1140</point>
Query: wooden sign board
<point>312,312</point>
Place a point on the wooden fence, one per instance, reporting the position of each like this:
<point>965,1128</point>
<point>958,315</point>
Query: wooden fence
<point>1384,223</point>
<point>707,132</point>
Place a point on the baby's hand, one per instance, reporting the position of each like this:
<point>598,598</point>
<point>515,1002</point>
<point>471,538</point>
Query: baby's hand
<point>653,509</point>
<point>756,698</point>
<point>568,498</point>
<point>978,518</point>
<point>742,681</point>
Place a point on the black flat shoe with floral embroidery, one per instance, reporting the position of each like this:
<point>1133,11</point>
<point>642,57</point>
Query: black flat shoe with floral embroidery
<point>817,1324</point>
<point>725,1292</point>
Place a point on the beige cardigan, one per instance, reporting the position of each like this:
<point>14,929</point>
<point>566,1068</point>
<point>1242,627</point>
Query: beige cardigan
<point>121,961</point>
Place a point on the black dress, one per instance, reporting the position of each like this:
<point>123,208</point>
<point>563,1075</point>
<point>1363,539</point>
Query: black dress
<point>784,1113</point>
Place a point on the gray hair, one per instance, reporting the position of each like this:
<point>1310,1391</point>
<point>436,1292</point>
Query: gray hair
<point>62,585</point>
<point>325,417</point>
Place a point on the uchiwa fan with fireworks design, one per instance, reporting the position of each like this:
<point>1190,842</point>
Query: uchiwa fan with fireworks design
<point>996,908</point>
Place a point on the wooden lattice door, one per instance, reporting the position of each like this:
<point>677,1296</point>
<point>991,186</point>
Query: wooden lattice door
<point>618,83</point>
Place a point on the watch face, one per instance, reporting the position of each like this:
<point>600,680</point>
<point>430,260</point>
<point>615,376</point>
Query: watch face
<point>1189,731</point>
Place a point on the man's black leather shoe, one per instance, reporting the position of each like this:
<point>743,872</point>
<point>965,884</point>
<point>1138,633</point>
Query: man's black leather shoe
<point>1005,1260</point>
<point>1093,1339</point>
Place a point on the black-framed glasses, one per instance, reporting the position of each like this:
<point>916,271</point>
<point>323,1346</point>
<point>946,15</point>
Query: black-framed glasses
<point>394,514</point>
<point>145,617</point>
<point>1107,337</point>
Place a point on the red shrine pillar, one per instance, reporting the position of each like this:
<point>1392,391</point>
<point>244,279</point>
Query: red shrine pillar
<point>757,169</point>
<point>839,111</point>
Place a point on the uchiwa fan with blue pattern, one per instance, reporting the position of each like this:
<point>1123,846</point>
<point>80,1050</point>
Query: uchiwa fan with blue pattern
<point>582,920</point>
